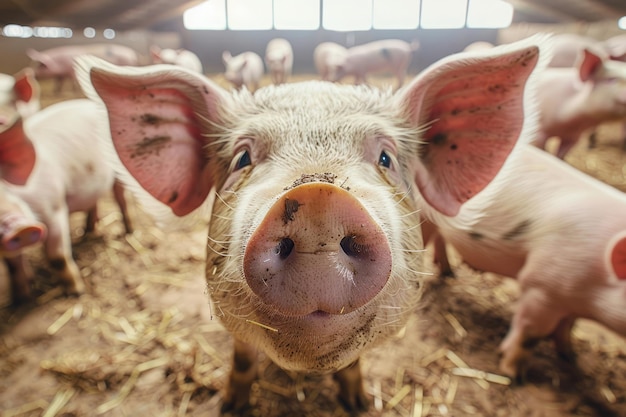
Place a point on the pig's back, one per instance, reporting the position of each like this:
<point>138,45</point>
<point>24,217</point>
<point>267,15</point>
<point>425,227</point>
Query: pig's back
<point>557,200</point>
<point>67,138</point>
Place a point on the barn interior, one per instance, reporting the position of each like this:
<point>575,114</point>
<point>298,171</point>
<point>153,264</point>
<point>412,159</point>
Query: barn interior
<point>144,338</point>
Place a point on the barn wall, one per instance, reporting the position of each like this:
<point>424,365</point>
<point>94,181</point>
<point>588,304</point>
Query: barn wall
<point>209,45</point>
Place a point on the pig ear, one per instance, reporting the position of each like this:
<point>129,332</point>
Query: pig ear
<point>155,53</point>
<point>590,63</point>
<point>470,108</point>
<point>617,256</point>
<point>26,87</point>
<point>226,56</point>
<point>161,119</point>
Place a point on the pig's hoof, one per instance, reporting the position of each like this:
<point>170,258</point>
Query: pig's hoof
<point>235,405</point>
<point>355,404</point>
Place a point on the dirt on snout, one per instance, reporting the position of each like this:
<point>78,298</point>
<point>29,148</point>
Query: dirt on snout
<point>143,341</point>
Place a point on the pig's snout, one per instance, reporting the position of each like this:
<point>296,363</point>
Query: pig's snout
<point>17,233</point>
<point>317,251</point>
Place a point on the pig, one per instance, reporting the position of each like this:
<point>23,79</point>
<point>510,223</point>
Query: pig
<point>19,229</point>
<point>328,56</point>
<point>245,69</point>
<point>478,46</point>
<point>561,233</point>
<point>279,60</point>
<point>616,47</point>
<point>391,55</point>
<point>53,163</point>
<point>568,49</point>
<point>20,91</point>
<point>182,57</point>
<point>314,249</point>
<point>57,63</point>
<point>574,100</point>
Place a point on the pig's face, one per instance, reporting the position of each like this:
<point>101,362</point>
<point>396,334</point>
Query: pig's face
<point>335,154</point>
<point>314,247</point>
<point>234,70</point>
<point>15,92</point>
<point>8,110</point>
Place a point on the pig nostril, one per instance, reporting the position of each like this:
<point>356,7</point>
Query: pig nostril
<point>350,246</point>
<point>284,247</point>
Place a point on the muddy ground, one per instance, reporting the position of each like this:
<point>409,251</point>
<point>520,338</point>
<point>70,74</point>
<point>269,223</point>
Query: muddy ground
<point>142,340</point>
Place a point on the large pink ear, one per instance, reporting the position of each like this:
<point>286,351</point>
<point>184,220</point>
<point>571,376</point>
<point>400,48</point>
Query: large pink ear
<point>589,64</point>
<point>26,87</point>
<point>470,108</point>
<point>161,120</point>
<point>617,256</point>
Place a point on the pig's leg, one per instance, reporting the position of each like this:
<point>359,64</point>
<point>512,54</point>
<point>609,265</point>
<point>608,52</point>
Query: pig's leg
<point>593,140</point>
<point>59,253</point>
<point>118,193</point>
<point>351,392</point>
<point>242,375</point>
<point>563,339</point>
<point>535,319</point>
<point>565,146</point>
<point>20,275</point>
<point>441,257</point>
<point>58,84</point>
<point>92,218</point>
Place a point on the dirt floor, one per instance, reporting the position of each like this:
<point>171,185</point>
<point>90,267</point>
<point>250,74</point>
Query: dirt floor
<point>142,342</point>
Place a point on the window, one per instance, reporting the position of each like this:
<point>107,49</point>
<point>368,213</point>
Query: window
<point>347,15</point>
<point>249,14</point>
<point>296,14</point>
<point>443,14</point>
<point>208,15</point>
<point>489,14</point>
<point>396,14</point>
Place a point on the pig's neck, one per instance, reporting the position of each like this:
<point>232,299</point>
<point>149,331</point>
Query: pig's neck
<point>17,155</point>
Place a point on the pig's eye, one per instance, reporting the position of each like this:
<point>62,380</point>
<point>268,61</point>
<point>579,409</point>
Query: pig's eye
<point>384,160</point>
<point>244,161</point>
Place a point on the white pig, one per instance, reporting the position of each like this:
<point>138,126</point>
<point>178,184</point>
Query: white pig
<point>315,253</point>
<point>390,55</point>
<point>562,234</point>
<point>478,46</point>
<point>245,69</point>
<point>53,162</point>
<point>21,91</point>
<point>328,57</point>
<point>573,100</point>
<point>568,49</point>
<point>181,57</point>
<point>279,60</point>
<point>58,62</point>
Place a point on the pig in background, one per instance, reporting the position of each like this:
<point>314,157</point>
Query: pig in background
<point>53,164</point>
<point>390,55</point>
<point>20,91</point>
<point>478,46</point>
<point>279,60</point>
<point>245,69</point>
<point>57,63</point>
<point>315,251</point>
<point>180,57</point>
<point>561,233</point>
<point>573,100</point>
<point>328,57</point>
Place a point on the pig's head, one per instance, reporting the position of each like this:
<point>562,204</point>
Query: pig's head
<point>607,79</point>
<point>314,249</point>
<point>163,56</point>
<point>19,228</point>
<point>43,64</point>
<point>234,68</point>
<point>16,94</point>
